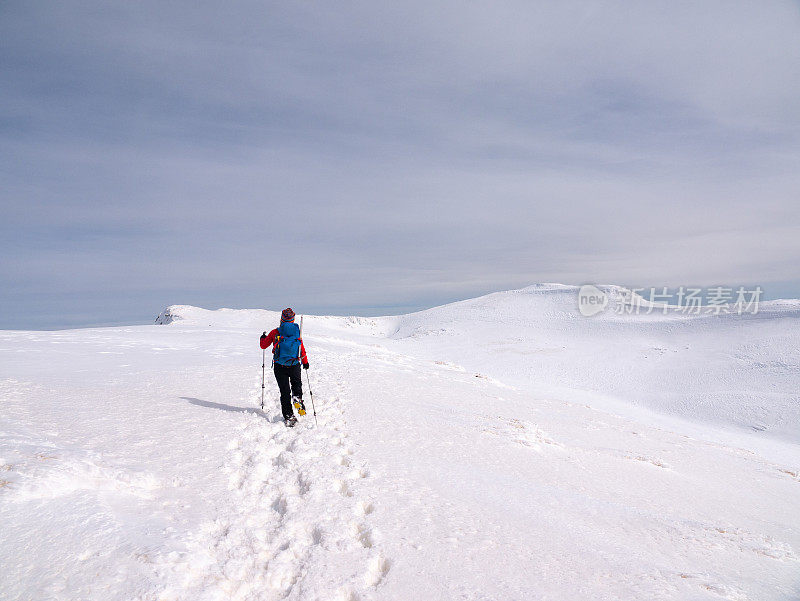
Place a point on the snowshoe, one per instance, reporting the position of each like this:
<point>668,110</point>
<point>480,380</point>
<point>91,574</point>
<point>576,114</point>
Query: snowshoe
<point>300,406</point>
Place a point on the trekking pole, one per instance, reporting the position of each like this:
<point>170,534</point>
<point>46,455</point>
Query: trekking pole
<point>308,378</point>
<point>262,342</point>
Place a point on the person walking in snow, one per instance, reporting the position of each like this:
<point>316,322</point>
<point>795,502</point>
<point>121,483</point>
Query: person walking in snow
<point>288,354</point>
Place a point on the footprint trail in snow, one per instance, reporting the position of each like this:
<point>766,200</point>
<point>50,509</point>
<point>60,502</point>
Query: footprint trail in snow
<point>300,525</point>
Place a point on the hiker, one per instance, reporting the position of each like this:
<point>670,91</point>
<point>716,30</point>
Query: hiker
<point>288,353</point>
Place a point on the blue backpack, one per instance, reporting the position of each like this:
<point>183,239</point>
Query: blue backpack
<point>287,349</point>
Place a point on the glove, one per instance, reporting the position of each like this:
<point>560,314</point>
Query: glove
<point>305,365</point>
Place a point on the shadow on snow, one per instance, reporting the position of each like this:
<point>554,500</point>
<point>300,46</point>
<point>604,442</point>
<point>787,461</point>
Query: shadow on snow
<point>211,405</point>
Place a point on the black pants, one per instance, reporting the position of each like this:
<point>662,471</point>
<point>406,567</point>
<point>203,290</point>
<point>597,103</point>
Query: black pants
<point>290,383</point>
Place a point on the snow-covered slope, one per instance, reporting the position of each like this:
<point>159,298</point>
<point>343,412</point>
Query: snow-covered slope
<point>725,369</point>
<point>640,457</point>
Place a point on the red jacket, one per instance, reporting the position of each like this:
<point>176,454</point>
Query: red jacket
<point>271,339</point>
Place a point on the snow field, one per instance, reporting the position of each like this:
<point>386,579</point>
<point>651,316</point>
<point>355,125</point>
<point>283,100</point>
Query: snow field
<point>537,498</point>
<point>496,449</point>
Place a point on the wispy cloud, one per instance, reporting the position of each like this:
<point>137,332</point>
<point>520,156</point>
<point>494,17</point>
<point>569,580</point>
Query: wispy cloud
<point>357,155</point>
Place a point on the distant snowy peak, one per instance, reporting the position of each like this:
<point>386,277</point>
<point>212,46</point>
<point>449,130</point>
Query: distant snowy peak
<point>196,316</point>
<point>613,291</point>
<point>178,313</point>
<point>170,314</point>
<point>544,301</point>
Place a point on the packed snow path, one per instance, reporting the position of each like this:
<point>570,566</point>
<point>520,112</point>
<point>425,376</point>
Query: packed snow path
<point>136,464</point>
<point>298,524</point>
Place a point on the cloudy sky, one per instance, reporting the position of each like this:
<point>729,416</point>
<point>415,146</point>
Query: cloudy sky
<point>363,157</point>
